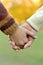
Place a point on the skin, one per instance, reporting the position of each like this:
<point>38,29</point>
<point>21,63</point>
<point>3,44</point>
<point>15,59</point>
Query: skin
<point>30,35</point>
<point>31,39</point>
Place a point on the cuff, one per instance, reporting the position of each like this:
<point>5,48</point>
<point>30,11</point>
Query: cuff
<point>36,21</point>
<point>7,22</point>
<point>9,27</point>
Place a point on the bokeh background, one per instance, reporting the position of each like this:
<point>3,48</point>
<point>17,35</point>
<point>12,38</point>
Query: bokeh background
<point>21,10</point>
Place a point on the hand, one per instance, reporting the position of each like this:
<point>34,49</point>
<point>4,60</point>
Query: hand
<point>25,32</point>
<point>30,38</point>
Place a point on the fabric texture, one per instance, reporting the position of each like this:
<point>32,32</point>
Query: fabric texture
<point>7,22</point>
<point>36,21</point>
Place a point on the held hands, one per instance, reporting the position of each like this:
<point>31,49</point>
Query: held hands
<point>22,37</point>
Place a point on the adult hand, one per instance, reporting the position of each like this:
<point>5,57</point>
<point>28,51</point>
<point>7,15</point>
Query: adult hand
<point>30,38</point>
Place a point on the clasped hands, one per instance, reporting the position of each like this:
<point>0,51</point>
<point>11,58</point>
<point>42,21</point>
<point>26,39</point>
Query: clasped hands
<point>23,37</point>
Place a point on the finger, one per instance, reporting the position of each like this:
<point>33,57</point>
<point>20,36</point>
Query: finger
<point>15,48</point>
<point>30,33</point>
<point>29,42</point>
<point>11,40</point>
<point>13,45</point>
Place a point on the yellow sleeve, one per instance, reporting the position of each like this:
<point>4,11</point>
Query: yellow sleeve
<point>36,21</point>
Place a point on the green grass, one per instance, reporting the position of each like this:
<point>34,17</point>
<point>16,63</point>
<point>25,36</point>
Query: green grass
<point>30,56</point>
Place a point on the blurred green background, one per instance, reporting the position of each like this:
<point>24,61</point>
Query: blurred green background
<point>30,56</point>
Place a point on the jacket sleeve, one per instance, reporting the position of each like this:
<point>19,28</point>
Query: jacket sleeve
<point>7,22</point>
<point>36,21</point>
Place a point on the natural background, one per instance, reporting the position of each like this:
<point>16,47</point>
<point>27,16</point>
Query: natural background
<point>21,10</point>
